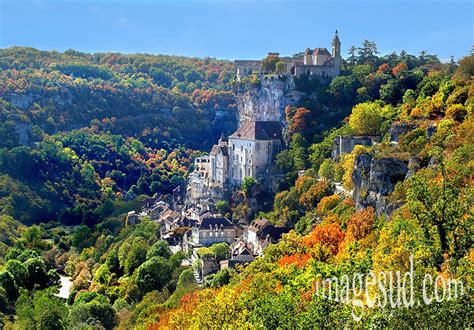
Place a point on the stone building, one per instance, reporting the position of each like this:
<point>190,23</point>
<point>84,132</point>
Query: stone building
<point>219,162</point>
<point>317,62</point>
<point>212,230</point>
<point>248,152</point>
<point>252,149</point>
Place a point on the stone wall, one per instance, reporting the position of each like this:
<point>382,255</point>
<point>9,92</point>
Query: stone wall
<point>345,144</point>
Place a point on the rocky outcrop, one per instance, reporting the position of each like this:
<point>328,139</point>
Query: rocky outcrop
<point>374,179</point>
<point>266,100</point>
<point>398,129</point>
<point>414,165</point>
<point>23,130</point>
<point>21,101</point>
<point>345,144</point>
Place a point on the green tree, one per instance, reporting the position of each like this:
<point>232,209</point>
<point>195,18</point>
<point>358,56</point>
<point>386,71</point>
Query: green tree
<point>247,184</point>
<point>327,169</point>
<point>269,63</point>
<point>97,311</point>
<point>19,272</point>
<point>42,310</point>
<point>153,274</point>
<point>159,249</point>
<point>221,251</point>
<point>222,207</point>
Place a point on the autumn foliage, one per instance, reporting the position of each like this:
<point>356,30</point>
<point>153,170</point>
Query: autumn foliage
<point>330,236</point>
<point>360,224</point>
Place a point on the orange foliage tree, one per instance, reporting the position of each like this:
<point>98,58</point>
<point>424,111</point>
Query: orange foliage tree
<point>313,195</point>
<point>360,224</point>
<point>330,236</point>
<point>383,68</point>
<point>400,67</point>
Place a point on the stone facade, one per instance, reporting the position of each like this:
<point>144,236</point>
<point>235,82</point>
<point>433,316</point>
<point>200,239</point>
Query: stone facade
<point>213,230</point>
<point>316,62</point>
<point>248,152</point>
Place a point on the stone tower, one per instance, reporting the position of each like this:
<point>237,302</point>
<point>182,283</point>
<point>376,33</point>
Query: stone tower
<point>336,53</point>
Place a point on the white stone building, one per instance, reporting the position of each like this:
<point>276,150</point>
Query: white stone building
<point>252,149</point>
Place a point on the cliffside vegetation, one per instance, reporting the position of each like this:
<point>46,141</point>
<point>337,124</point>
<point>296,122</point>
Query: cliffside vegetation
<point>332,238</point>
<point>103,130</point>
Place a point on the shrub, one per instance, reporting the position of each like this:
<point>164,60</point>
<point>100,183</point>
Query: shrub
<point>457,112</point>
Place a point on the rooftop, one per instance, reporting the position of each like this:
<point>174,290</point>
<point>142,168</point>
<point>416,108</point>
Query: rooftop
<point>259,130</point>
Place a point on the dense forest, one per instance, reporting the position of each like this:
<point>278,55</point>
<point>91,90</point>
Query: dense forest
<point>84,138</point>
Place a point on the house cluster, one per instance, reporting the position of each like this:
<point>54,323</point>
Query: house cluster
<point>248,152</point>
<point>189,227</point>
<point>317,62</point>
<point>245,243</point>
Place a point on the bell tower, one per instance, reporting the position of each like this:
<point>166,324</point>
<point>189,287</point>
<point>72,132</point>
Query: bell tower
<point>336,53</point>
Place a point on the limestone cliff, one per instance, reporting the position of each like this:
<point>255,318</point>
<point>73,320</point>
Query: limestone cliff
<point>374,179</point>
<point>265,100</point>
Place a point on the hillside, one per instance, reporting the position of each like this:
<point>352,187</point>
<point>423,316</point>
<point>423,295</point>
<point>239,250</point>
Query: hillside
<point>376,178</point>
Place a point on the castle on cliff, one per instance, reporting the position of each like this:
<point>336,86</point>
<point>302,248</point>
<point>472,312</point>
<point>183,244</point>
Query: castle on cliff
<point>317,62</point>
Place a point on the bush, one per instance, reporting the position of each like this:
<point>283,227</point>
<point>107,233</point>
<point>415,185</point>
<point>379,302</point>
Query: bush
<point>457,112</point>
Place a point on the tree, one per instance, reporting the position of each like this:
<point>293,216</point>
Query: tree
<point>159,249</point>
<point>7,282</point>
<point>352,55</point>
<point>222,277</point>
<point>102,275</point>
<point>19,272</point>
<point>135,256</point>
<point>153,274</point>
<point>330,236</point>
<point>41,310</point>
<point>326,170</point>
<point>247,184</point>
<point>466,67</point>
<point>310,199</point>
<point>222,207</point>
<point>280,67</point>
<point>37,273</point>
<point>221,251</point>
<point>300,121</point>
<point>368,52</point>
<point>96,312</point>
<point>399,68</point>
<point>269,63</point>
<point>366,118</point>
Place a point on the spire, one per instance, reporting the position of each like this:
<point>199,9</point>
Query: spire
<point>336,40</point>
<point>222,139</point>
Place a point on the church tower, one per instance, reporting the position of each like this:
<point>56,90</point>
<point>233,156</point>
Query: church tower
<point>336,53</point>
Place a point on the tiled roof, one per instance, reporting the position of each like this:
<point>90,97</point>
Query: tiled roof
<point>215,150</point>
<point>259,130</point>
<point>215,221</point>
<point>273,232</point>
<point>321,51</point>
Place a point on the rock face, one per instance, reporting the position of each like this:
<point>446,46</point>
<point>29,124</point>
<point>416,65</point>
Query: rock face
<point>374,179</point>
<point>399,129</point>
<point>414,165</point>
<point>265,101</point>
<point>23,130</point>
<point>21,101</point>
<point>345,144</point>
